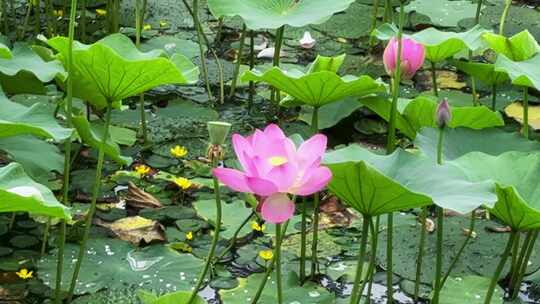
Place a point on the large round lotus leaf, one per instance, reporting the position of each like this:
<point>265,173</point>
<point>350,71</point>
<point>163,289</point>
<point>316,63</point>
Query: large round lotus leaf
<point>113,69</point>
<point>112,263</point>
<point>480,257</point>
<point>16,119</point>
<point>19,193</point>
<point>375,184</point>
<point>484,72</point>
<point>460,141</point>
<point>522,73</point>
<point>517,179</point>
<point>420,112</point>
<point>319,86</point>
<point>469,289</point>
<point>443,12</point>
<point>519,47</point>
<point>293,292</point>
<point>25,71</point>
<point>439,45</point>
<point>271,14</point>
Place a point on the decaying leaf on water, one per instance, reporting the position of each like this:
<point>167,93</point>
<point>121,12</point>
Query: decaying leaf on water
<point>135,229</point>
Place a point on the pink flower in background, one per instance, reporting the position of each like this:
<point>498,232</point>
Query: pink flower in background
<point>273,167</point>
<point>412,57</point>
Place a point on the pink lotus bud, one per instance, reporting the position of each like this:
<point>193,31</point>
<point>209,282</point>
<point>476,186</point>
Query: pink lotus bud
<point>412,57</point>
<point>443,116</point>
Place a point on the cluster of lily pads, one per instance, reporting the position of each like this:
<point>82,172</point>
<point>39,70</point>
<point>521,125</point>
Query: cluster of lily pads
<point>442,156</point>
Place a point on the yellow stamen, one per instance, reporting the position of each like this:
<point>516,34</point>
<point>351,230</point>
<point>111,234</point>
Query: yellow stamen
<point>277,160</point>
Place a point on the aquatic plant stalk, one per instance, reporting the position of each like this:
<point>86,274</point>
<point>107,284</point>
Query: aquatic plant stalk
<point>514,255</point>
<point>420,257</point>
<point>274,96</point>
<point>504,15</point>
<point>22,33</point>
<point>373,22</point>
<point>251,66</point>
<point>277,254</point>
<point>500,266</point>
<point>461,249</point>
<point>373,257</point>
<point>494,97</point>
<point>232,242</point>
<point>473,80</point>
<point>525,262</point>
<point>37,16</point>
<point>215,239</point>
<point>517,259</point>
<point>434,79</point>
<point>139,20</point>
<point>390,147</point>
<point>5,17</point>
<point>526,112</point>
<point>440,231</point>
<point>316,201</point>
<point>95,193</point>
<point>67,153</point>
<point>238,61</point>
<point>269,269</point>
<point>303,240</point>
<point>45,237</point>
<point>356,291</point>
<point>82,30</point>
<point>388,11</point>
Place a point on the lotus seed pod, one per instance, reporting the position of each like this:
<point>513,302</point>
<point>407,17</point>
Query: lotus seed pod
<point>218,132</point>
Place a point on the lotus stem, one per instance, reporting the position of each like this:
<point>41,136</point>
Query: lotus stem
<point>388,11</point>
<point>5,16</point>
<point>275,95</point>
<point>514,255</point>
<point>500,266</point>
<point>525,262</point>
<point>504,15</point>
<point>269,269</point>
<point>45,237</point>
<point>356,291</point>
<point>461,249</point>
<point>26,19</point>
<point>434,79</point>
<point>494,97</point>
<point>526,112</point>
<point>390,147</point>
<point>251,66</point>
<point>82,30</point>
<point>215,239</point>
<point>314,241</point>
<point>48,15</point>
<point>95,194</point>
<point>67,154</point>
<point>37,16</point>
<point>238,61</point>
<point>372,262</point>
<point>473,80</point>
<point>438,263</point>
<point>235,236</point>
<point>517,260</point>
<point>419,259</point>
<point>219,31</point>
<point>116,16</point>
<point>373,22</point>
<point>277,254</point>
<point>139,20</point>
<point>303,239</point>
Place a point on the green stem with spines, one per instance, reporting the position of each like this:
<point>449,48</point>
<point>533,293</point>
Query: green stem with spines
<point>461,249</point>
<point>504,15</point>
<point>514,255</point>
<point>500,266</point>
<point>373,257</point>
<point>373,22</point>
<point>95,193</point>
<point>215,239</point>
<point>251,66</point>
<point>419,259</point>
<point>82,32</point>
<point>238,61</point>
<point>67,153</point>
<point>390,147</point>
<point>303,241</point>
<point>356,291</point>
<point>22,33</point>
<point>517,262</point>
<point>277,255</point>
<point>316,201</point>
<point>37,16</point>
<point>524,264</point>
<point>5,16</point>
<point>473,80</point>
<point>388,11</point>
<point>440,230</point>
<point>139,20</point>
<point>45,237</point>
<point>275,94</point>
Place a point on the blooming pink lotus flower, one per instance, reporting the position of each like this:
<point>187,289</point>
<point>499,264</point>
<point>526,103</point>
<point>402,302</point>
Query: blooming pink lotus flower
<point>412,57</point>
<point>273,168</point>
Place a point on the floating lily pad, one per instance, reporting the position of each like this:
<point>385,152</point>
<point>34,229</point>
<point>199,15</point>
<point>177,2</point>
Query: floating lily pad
<point>234,213</point>
<point>111,263</point>
<point>469,289</point>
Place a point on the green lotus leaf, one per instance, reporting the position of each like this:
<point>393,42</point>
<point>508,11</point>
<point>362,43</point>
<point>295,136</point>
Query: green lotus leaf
<point>38,120</point>
<point>272,14</point>
<point>460,141</point>
<point>38,157</point>
<point>485,72</point>
<point>420,112</point>
<point>522,73</point>
<point>469,289</point>
<point>375,184</point>
<point>19,193</point>
<point>112,263</point>
<point>519,47</point>
<point>5,52</point>
<point>443,12</point>
<point>113,69</point>
<point>91,134</point>
<point>179,297</point>
<point>26,72</point>
<point>516,176</point>
<point>320,86</point>
<point>234,214</point>
<point>439,45</point>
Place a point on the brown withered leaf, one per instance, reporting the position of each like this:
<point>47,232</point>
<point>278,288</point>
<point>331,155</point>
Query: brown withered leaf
<point>138,198</point>
<point>499,229</point>
<point>135,229</point>
<point>334,214</point>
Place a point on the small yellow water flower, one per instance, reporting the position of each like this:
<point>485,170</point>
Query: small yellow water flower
<point>183,183</point>
<point>266,255</point>
<point>163,23</point>
<point>256,226</point>
<point>142,169</point>
<point>179,151</point>
<point>189,236</point>
<point>24,274</point>
<point>58,13</point>
<point>101,12</point>
<point>147,27</point>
